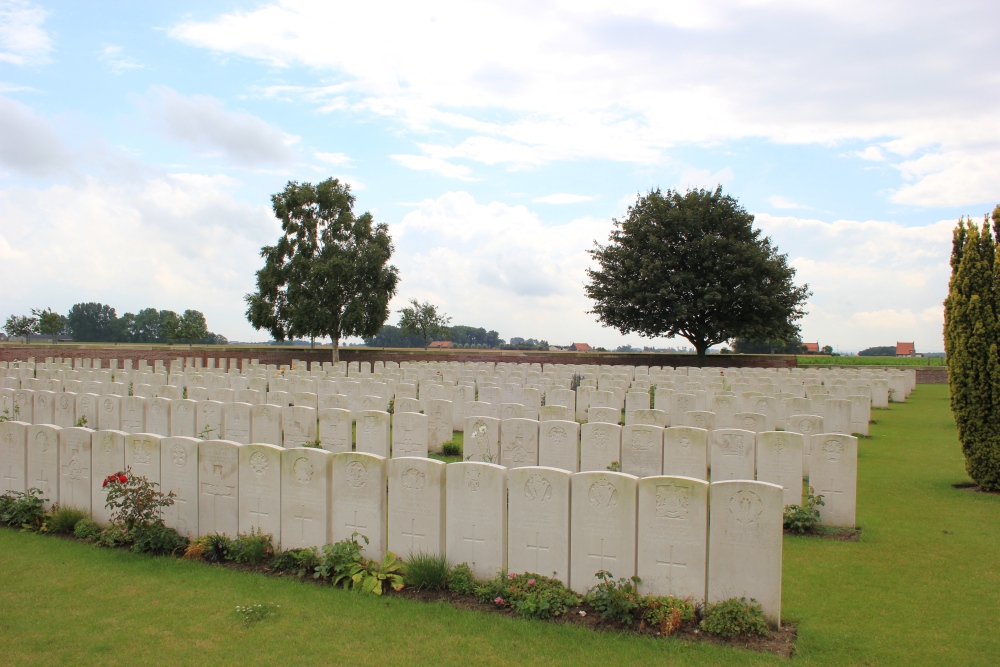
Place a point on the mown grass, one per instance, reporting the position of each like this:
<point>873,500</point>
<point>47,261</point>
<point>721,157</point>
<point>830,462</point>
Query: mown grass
<point>823,360</point>
<point>921,587</point>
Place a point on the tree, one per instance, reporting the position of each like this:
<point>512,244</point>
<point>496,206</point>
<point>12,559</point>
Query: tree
<point>20,326</point>
<point>767,346</point>
<point>192,327</point>
<point>826,349</point>
<point>424,320</point>
<point>93,322</point>
<point>170,327</point>
<point>692,265</point>
<point>49,322</point>
<point>971,340</point>
<point>878,351</point>
<point>329,273</point>
<point>392,336</point>
<point>143,327</point>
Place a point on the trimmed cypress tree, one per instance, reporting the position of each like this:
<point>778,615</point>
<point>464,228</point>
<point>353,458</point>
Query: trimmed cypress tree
<point>972,332</point>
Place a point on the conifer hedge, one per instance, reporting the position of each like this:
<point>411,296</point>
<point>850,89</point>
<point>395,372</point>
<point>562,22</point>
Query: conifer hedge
<point>972,344</point>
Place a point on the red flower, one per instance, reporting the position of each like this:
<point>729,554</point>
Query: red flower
<point>104,484</point>
<point>122,478</point>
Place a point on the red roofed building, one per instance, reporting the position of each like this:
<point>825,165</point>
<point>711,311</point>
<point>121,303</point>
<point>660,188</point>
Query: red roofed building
<point>442,343</point>
<point>905,350</point>
<point>580,347</point>
<point>811,347</point>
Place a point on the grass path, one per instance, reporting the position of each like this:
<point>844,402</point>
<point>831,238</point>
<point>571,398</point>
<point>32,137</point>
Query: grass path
<point>922,587</point>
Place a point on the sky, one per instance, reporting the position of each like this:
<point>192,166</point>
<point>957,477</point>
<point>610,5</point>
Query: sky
<point>140,144</point>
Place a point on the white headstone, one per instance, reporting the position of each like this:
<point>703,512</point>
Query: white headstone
<point>265,424</point>
<point>133,414</point>
<point>298,426</point>
<point>779,461</point>
<point>158,416</point>
<point>672,551</point>
<point>236,422</point>
<point>43,461</point>
<point>642,450</point>
<point>745,540</point>
<point>13,456</point>
<point>409,434</point>
<point>208,423</point>
<point>603,527</point>
<point>109,413</point>
<point>358,500</point>
<point>335,426</point>
<point>518,442</point>
<point>477,516</point>
<point>600,446</point>
<point>75,468</point>
<point>373,427</point>
<point>559,445</point>
<point>732,454</point>
<point>142,455</point>
<point>260,490</point>
<point>482,439</point>
<point>218,488</point>
<point>179,474</point>
<point>183,416</point>
<point>44,407</point>
<point>833,474</point>
<point>538,520</point>
<point>416,506</point>
<point>306,475</point>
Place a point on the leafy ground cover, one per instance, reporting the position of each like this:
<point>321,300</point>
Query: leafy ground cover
<point>920,586</point>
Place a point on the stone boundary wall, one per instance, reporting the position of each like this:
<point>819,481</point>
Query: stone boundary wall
<point>283,355</point>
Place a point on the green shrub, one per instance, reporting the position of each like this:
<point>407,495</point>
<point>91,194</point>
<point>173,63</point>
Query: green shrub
<point>156,539</point>
<point>734,618</point>
<point>803,519</point>
<point>667,613</point>
<point>299,562</point>
<point>23,509</point>
<point>427,572</point>
<point>214,548</point>
<point>451,448</point>
<point>338,559</point>
<point>617,600</point>
<point>372,576</point>
<point>87,529</point>
<point>112,537</point>
<point>461,580</point>
<point>133,500</point>
<point>534,596</point>
<point>63,519</point>
<point>251,548</point>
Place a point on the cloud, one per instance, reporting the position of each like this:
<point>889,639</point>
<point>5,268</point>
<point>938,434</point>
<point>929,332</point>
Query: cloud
<point>777,201</point>
<point>118,62</point>
<point>23,40</point>
<point>499,266</point>
<point>336,159</point>
<point>28,143</point>
<point>874,282</point>
<point>632,81</point>
<point>563,198</point>
<point>434,165</point>
<point>202,122</point>
<point>703,178</point>
<point>873,153</point>
<point>206,246</point>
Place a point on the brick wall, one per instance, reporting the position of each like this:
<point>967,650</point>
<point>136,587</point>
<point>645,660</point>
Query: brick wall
<point>271,354</point>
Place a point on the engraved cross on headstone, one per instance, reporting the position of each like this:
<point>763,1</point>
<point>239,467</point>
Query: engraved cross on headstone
<point>537,547</point>
<point>832,487</point>
<point>473,540</point>
<point>302,517</point>
<point>10,478</point>
<point>602,556</point>
<point>413,534</point>
<point>257,514</point>
<point>357,525</point>
<point>670,563</point>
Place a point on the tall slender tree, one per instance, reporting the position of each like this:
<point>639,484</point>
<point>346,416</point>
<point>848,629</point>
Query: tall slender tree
<point>971,343</point>
<point>329,273</point>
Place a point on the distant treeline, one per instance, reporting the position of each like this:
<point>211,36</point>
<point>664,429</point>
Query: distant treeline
<point>460,335</point>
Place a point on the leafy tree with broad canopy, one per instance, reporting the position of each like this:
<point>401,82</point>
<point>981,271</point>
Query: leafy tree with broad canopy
<point>49,322</point>
<point>692,265</point>
<point>329,273</point>
<point>971,343</point>
<point>424,320</point>
<point>20,326</point>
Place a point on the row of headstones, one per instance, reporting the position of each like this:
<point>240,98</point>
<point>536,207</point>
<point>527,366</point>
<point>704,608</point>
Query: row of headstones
<point>682,536</point>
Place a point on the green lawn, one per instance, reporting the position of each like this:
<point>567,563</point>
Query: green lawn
<point>921,587</point>
<point>823,360</point>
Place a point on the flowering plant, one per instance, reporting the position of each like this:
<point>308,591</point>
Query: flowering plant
<point>134,501</point>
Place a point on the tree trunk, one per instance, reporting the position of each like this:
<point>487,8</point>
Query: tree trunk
<point>701,347</point>
<point>336,348</point>
<point>312,342</point>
